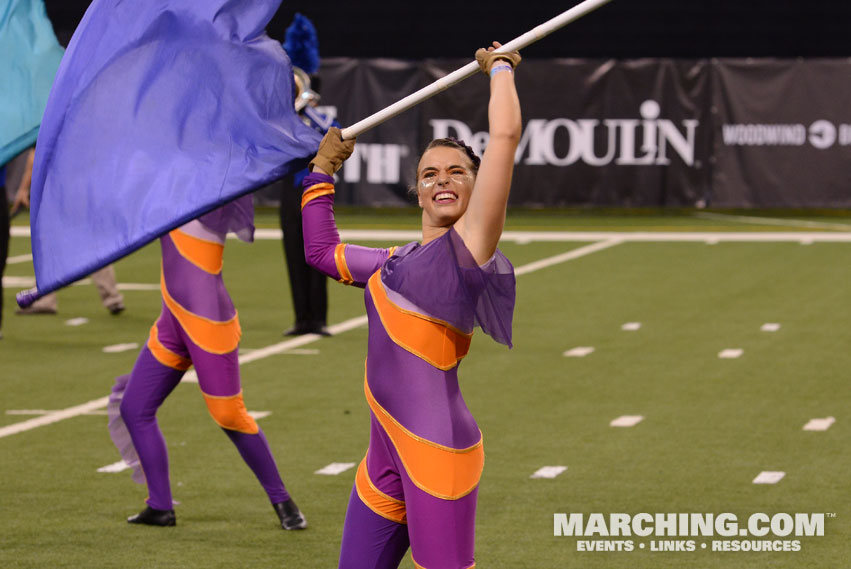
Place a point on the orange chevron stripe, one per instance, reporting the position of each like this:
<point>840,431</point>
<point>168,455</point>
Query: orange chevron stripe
<point>164,355</point>
<point>442,471</point>
<point>342,267</point>
<point>229,413</point>
<point>376,500</point>
<point>212,336</point>
<point>435,341</point>
<point>315,191</point>
<point>206,255</point>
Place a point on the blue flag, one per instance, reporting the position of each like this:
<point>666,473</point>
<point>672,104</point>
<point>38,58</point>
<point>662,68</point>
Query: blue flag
<point>161,111</point>
<point>30,58</point>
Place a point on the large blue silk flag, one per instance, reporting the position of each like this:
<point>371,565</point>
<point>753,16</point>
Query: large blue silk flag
<point>161,111</point>
<point>29,58</point>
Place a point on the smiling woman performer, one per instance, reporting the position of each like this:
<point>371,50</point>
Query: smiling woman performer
<point>418,483</point>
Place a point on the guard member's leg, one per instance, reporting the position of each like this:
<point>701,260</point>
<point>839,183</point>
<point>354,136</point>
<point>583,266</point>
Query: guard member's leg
<point>150,383</point>
<point>375,535</point>
<point>218,378</point>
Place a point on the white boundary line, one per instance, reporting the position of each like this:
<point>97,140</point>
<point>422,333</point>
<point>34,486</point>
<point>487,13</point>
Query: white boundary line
<point>774,221</point>
<point>282,346</point>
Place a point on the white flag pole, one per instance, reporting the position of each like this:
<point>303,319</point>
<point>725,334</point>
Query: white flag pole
<point>470,69</point>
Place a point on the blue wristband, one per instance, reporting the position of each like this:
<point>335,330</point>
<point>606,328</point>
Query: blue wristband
<point>500,67</point>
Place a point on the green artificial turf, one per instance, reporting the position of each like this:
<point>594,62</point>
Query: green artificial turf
<point>710,425</point>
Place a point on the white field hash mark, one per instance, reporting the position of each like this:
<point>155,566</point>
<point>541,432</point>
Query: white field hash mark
<point>819,424</point>
<point>76,321</point>
<point>335,468</point>
<point>627,421</point>
<point>769,477</point>
<point>770,327</point>
<point>548,471</point>
<point>730,353</point>
<point>578,352</point>
<point>118,348</point>
<point>631,326</point>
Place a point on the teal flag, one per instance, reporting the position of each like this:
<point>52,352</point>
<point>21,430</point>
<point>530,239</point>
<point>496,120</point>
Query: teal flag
<point>28,64</point>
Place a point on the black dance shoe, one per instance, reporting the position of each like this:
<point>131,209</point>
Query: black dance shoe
<point>151,517</point>
<point>290,516</point>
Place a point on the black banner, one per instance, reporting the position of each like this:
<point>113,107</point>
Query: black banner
<point>647,132</point>
<point>782,133</point>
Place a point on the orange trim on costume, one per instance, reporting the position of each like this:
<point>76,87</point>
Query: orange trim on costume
<point>442,471</point>
<point>229,413</point>
<point>164,355</point>
<point>211,335</point>
<point>376,500</point>
<point>206,255</point>
<point>418,566</point>
<point>435,341</point>
<point>342,267</point>
<point>315,191</point>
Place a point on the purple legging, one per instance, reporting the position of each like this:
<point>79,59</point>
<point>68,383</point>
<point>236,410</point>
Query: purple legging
<point>151,382</point>
<point>441,533</point>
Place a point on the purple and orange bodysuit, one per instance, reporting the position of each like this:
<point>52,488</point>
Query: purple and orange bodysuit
<point>417,485</point>
<point>198,326</point>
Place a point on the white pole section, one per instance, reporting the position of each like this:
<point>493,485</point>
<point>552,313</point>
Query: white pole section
<point>470,69</point>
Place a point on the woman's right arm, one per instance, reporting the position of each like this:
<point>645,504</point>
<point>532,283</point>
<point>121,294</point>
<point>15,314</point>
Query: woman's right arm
<point>323,250</point>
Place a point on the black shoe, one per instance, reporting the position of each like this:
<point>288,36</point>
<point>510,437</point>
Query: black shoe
<point>152,517</point>
<point>290,516</point>
<point>320,329</point>
<point>300,329</point>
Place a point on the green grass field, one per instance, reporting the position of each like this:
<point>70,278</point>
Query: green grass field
<point>710,426</point>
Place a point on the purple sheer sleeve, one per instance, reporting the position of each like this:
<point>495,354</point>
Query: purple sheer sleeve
<point>443,279</point>
<point>323,250</point>
<point>234,217</point>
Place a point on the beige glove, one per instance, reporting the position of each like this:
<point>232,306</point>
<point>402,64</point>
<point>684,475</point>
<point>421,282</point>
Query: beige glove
<point>487,58</point>
<point>333,151</point>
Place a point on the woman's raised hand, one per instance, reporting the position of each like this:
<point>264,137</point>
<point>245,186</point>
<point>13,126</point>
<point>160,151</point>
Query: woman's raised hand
<point>487,57</point>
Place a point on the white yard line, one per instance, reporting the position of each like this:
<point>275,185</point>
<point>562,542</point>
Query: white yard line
<point>53,417</point>
<point>19,259</point>
<point>575,254</point>
<point>774,221</point>
<point>281,347</point>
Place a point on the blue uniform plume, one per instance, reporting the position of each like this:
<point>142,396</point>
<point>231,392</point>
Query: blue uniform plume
<point>302,44</point>
<point>161,111</point>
